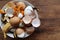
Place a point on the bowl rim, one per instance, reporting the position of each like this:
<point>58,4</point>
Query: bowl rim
<point>19,1</point>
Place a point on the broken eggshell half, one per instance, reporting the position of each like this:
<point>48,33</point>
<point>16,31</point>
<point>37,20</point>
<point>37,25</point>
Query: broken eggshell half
<point>30,30</point>
<point>21,34</point>
<point>36,22</point>
<point>28,10</point>
<point>27,19</point>
<point>20,15</point>
<point>9,12</point>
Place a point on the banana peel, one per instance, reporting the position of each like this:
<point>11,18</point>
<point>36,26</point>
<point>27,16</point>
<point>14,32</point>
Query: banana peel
<point>6,28</point>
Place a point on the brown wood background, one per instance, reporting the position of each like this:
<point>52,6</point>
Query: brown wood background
<point>49,14</point>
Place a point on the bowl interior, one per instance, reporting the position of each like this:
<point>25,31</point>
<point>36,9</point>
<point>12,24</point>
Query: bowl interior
<point>2,24</point>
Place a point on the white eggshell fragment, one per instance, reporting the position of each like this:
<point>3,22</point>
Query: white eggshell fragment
<point>33,15</point>
<point>9,12</point>
<point>30,30</point>
<point>27,19</point>
<point>20,15</point>
<point>8,15</point>
<point>36,22</point>
<point>10,35</point>
<point>26,34</point>
<point>28,10</point>
<point>21,25</point>
<point>21,35</point>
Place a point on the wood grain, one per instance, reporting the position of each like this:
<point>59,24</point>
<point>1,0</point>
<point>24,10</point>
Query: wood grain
<point>49,15</point>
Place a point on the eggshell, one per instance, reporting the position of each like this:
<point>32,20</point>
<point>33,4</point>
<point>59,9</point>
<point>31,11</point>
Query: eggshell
<point>27,19</point>
<point>9,12</point>
<point>10,35</point>
<point>28,10</point>
<point>20,15</point>
<point>19,31</point>
<point>33,15</point>
<point>21,35</point>
<point>14,21</point>
<point>36,22</point>
<point>21,24</point>
<point>30,30</point>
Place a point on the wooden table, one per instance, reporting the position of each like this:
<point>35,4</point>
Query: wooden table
<point>49,15</point>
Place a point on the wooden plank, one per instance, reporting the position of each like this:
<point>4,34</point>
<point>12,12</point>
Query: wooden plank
<point>49,14</point>
<point>48,8</point>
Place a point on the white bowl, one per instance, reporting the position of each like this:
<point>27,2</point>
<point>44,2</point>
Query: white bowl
<point>1,23</point>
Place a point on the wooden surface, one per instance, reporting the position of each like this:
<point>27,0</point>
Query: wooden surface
<point>49,15</point>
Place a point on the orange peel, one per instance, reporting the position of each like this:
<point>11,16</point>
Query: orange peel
<point>2,12</point>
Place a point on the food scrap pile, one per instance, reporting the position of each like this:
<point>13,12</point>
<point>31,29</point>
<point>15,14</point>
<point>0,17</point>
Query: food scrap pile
<point>19,18</point>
